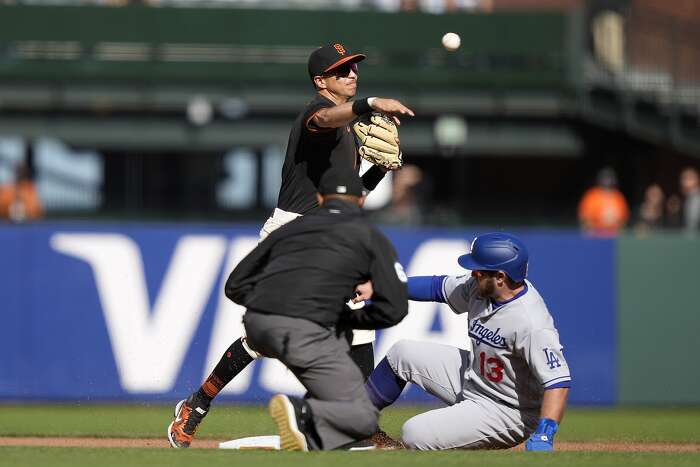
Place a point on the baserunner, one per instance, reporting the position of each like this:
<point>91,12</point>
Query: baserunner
<point>510,387</point>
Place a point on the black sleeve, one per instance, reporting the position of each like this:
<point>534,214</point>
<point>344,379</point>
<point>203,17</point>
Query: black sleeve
<point>372,177</point>
<point>243,277</point>
<point>390,299</point>
<point>310,111</point>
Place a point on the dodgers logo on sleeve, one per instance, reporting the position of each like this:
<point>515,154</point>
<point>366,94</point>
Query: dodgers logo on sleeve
<point>551,358</point>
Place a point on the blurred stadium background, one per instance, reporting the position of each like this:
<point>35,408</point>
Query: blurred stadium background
<point>154,134</point>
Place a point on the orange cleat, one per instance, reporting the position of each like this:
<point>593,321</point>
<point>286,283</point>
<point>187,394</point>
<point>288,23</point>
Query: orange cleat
<point>189,413</point>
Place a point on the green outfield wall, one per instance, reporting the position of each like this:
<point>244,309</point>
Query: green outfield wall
<point>258,47</point>
<point>658,319</point>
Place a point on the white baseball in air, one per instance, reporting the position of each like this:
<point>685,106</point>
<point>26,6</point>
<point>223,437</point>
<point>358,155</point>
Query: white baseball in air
<point>451,41</point>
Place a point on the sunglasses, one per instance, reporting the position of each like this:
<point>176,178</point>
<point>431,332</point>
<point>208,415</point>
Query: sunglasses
<point>343,71</point>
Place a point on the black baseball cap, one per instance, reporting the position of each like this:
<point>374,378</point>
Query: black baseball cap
<point>324,59</point>
<point>340,181</point>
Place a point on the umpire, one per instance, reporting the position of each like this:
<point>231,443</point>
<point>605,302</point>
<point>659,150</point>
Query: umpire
<point>295,285</point>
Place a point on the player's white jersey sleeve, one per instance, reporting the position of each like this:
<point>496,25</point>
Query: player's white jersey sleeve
<point>544,354</point>
<point>458,292</point>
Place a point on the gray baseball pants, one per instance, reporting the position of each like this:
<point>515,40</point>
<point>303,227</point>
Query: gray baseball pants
<point>470,420</point>
<point>318,357</point>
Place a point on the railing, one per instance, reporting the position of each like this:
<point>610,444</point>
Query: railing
<point>642,71</point>
<point>642,49</point>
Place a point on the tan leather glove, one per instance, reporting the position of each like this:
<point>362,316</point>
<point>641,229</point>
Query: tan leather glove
<point>377,139</point>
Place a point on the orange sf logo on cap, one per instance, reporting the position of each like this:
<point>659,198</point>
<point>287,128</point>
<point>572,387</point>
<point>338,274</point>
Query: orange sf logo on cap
<point>339,48</point>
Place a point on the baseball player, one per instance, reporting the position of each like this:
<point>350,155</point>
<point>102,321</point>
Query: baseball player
<point>512,384</point>
<point>322,136</point>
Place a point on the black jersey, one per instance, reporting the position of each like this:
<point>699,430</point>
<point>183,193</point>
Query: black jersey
<point>310,152</point>
<point>309,267</point>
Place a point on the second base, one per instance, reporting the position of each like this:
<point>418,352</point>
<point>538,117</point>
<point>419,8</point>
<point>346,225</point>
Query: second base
<point>264,443</point>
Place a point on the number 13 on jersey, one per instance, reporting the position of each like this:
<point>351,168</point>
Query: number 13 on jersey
<point>491,367</point>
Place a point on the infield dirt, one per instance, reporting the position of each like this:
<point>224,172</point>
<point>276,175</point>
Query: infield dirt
<point>213,444</point>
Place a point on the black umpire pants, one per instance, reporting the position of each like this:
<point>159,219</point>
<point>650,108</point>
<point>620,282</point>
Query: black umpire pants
<point>318,357</point>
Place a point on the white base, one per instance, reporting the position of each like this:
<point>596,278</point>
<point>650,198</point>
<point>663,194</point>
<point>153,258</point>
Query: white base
<point>266,443</point>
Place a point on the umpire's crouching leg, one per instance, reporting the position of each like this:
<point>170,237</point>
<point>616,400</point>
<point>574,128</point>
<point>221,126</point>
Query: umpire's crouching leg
<point>341,409</point>
<point>343,422</point>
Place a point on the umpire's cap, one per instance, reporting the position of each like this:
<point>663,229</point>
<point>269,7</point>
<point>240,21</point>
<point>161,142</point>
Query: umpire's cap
<point>324,59</point>
<point>340,181</point>
<point>498,251</point>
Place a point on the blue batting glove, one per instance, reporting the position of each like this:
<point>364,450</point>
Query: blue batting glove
<point>543,437</point>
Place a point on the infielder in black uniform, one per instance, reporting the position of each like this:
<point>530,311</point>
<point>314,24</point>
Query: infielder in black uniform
<point>321,137</point>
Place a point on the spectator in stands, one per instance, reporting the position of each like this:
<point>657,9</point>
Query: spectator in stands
<point>690,187</point>
<point>603,210</point>
<point>651,211</point>
<point>19,200</point>
<point>674,212</point>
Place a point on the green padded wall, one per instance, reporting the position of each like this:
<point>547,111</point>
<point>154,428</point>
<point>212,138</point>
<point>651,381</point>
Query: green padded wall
<point>257,47</point>
<point>659,319</point>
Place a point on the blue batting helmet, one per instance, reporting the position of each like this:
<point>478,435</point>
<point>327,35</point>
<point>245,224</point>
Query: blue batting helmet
<point>497,252</point>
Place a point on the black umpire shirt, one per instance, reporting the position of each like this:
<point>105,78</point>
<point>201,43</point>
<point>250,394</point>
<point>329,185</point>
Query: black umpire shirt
<point>310,152</point>
<point>309,268</point>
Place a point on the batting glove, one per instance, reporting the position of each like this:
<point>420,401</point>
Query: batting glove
<point>543,437</point>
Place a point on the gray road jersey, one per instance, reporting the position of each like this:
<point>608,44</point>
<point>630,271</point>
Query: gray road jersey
<point>516,350</point>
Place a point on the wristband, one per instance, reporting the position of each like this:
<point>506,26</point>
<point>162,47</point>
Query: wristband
<point>547,427</point>
<point>543,437</point>
<point>361,107</point>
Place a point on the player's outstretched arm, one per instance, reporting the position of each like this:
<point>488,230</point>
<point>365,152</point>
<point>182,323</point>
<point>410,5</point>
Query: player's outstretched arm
<point>551,413</point>
<point>392,107</point>
<point>334,117</point>
<point>341,115</point>
<point>426,288</point>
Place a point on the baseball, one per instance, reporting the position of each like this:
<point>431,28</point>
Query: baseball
<point>451,41</point>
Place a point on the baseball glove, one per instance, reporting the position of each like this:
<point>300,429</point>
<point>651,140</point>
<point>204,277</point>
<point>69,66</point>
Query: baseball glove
<point>377,139</point>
